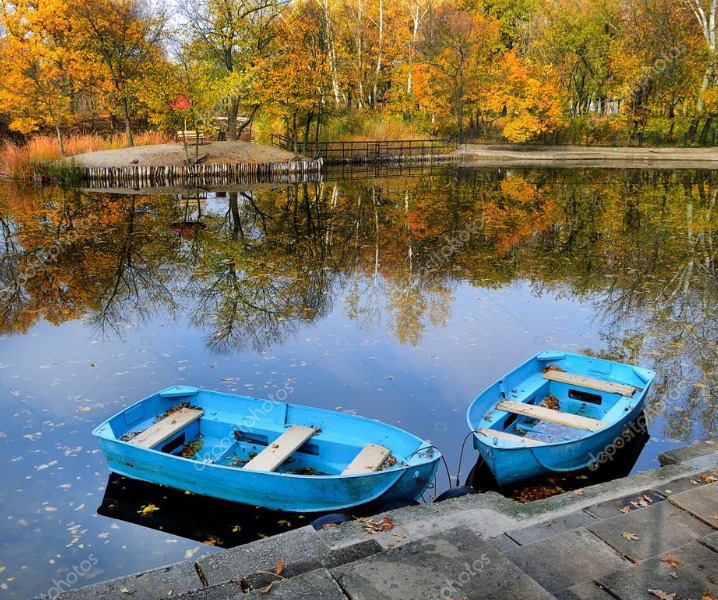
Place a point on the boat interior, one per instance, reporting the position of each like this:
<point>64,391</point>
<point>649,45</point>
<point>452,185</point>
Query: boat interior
<point>553,406</point>
<point>229,431</point>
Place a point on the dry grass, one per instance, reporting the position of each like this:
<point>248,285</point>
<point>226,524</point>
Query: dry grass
<point>18,161</point>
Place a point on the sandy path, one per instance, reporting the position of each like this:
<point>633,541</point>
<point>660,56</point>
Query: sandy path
<point>174,154</point>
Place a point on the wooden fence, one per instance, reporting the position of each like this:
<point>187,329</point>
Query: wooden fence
<point>213,174</point>
<point>365,150</point>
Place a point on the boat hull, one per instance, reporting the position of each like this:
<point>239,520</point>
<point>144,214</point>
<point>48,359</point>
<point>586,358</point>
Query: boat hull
<point>416,466</point>
<point>511,465</point>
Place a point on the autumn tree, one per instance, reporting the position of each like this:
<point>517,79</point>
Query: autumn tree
<point>233,36</point>
<point>125,37</point>
<point>526,96</point>
<point>297,85</point>
<point>458,47</point>
<point>42,68</point>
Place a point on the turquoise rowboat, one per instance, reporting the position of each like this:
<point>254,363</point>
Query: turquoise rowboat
<point>265,453</point>
<point>557,412</point>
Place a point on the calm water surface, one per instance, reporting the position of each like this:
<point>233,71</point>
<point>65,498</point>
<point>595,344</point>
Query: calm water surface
<point>397,299</point>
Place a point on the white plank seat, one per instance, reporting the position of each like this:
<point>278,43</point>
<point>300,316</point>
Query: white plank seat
<point>167,427</point>
<point>551,415</point>
<point>369,459</point>
<point>281,449</point>
<point>503,436</point>
<point>590,383</point>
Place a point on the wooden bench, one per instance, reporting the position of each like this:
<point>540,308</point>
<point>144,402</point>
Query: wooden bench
<point>167,427</point>
<point>283,447</point>
<point>371,457</point>
<point>509,437</point>
<point>553,416</point>
<point>590,383</point>
<point>191,137</point>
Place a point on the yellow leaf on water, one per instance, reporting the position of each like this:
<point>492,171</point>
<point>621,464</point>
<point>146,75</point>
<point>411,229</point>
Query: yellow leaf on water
<point>150,508</point>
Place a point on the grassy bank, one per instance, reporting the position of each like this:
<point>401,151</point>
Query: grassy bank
<point>40,156</point>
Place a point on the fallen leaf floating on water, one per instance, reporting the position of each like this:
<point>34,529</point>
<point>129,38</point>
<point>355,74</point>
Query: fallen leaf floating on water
<point>672,561</point>
<point>625,509</point>
<point>630,536</point>
<point>662,595</point>
<point>149,509</point>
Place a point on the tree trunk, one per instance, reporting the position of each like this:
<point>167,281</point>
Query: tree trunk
<point>329,32</point>
<point>128,124</point>
<point>58,131</point>
<point>706,129</point>
<point>232,120</point>
<point>377,74</point>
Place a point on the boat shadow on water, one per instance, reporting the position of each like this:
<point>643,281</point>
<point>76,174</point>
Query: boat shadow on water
<point>618,460</point>
<point>209,520</point>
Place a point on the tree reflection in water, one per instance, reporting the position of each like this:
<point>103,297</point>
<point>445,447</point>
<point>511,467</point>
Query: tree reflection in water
<point>637,244</point>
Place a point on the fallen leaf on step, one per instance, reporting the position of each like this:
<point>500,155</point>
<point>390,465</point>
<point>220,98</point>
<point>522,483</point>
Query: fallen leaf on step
<point>625,509</point>
<point>662,595</point>
<point>378,525</point>
<point>708,478</point>
<point>267,589</point>
<point>580,492</point>
<point>280,566</point>
<point>672,561</point>
<point>124,589</point>
<point>630,536</point>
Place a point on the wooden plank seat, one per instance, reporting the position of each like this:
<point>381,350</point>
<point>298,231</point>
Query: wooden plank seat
<point>191,136</point>
<point>167,427</point>
<point>283,447</point>
<point>369,459</point>
<point>509,437</point>
<point>553,416</point>
<point>590,383</point>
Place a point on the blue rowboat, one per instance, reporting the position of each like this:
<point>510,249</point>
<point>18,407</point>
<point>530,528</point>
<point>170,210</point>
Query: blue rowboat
<point>265,453</point>
<point>557,412</point>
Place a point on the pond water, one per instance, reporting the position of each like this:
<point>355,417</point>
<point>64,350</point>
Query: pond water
<point>398,299</point>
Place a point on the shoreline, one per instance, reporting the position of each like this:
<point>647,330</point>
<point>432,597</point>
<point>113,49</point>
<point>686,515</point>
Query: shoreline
<point>587,156</point>
<point>572,545</point>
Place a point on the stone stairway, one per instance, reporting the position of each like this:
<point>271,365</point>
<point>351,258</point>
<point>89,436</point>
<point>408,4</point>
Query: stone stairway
<point>657,530</point>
